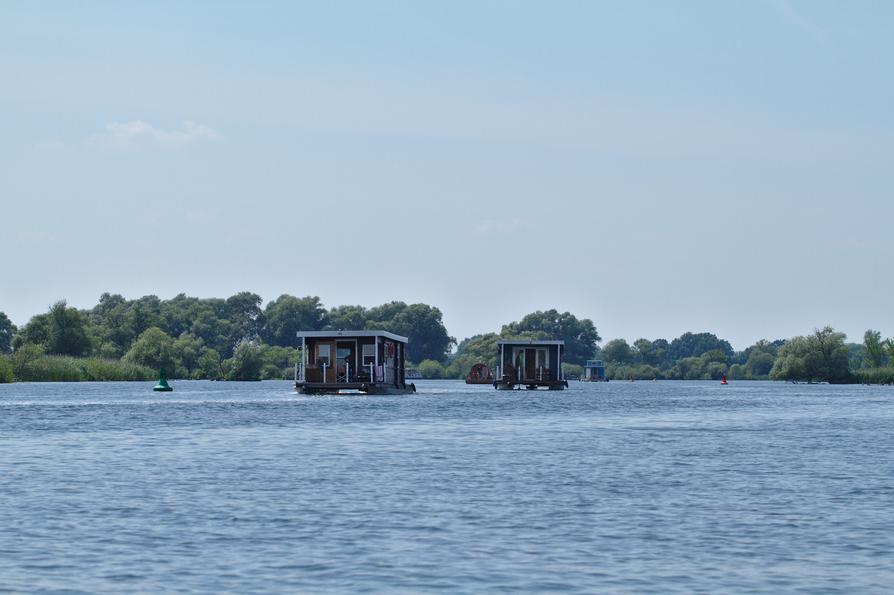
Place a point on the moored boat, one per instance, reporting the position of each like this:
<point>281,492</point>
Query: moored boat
<point>480,374</point>
<point>530,363</point>
<point>372,362</point>
<point>594,371</point>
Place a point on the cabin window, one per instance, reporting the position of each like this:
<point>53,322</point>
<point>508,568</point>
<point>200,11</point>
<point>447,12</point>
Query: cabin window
<point>369,354</point>
<point>324,354</point>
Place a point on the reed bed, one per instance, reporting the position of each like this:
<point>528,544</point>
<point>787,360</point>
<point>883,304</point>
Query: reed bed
<point>876,375</point>
<point>56,368</point>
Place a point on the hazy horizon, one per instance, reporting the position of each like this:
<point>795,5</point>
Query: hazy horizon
<point>656,168</point>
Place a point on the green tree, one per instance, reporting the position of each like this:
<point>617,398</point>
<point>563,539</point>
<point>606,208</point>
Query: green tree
<point>822,356</point>
<point>209,365</point>
<point>212,329</point>
<point>179,313</point>
<point>278,363</point>
<point>430,368</point>
<point>154,349</point>
<point>420,323</point>
<point>889,348</point>
<point>6,373</point>
<point>695,344</point>
<point>759,364</point>
<point>580,336</point>
<point>689,368</point>
<point>875,348</point>
<point>142,314</point>
<point>245,316</point>
<point>286,315</point>
<point>347,318</point>
<point>67,333</point>
<point>7,332</point>
<point>246,362</point>
<point>107,320</point>
<point>715,356</point>
<point>647,352</point>
<point>617,351</point>
<point>187,350</point>
<point>478,349</point>
<point>35,332</point>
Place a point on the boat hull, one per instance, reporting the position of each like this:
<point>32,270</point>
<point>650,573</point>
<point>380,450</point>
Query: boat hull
<point>531,384</point>
<point>309,388</point>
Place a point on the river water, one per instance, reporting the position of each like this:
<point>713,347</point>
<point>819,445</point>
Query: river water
<point>618,487</point>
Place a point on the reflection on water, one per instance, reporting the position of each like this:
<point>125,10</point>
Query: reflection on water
<point>648,486</point>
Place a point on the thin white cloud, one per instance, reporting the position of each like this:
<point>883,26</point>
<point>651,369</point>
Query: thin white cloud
<point>139,132</point>
<point>500,226</point>
<point>796,18</point>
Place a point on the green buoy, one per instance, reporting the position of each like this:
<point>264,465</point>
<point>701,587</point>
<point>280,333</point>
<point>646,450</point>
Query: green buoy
<point>162,386</point>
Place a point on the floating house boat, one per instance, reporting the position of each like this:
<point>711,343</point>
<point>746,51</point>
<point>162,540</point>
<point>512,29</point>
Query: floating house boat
<point>368,361</point>
<point>530,363</point>
<point>594,371</point>
<point>480,374</point>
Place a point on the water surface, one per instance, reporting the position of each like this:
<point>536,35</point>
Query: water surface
<point>248,487</point>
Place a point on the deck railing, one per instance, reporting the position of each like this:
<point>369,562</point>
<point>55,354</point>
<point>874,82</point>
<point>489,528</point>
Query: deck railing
<point>347,374</point>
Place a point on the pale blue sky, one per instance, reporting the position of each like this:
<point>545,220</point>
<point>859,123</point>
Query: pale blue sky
<point>666,167</point>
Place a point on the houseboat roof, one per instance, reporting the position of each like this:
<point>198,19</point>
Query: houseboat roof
<point>351,334</point>
<point>594,363</point>
<point>528,342</point>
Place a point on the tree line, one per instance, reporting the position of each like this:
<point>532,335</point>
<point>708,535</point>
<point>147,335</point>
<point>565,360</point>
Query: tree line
<point>238,339</point>
<point>822,356</point>
<point>201,338</point>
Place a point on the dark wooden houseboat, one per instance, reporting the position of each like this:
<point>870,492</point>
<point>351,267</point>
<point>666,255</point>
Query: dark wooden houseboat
<point>530,363</point>
<point>372,362</point>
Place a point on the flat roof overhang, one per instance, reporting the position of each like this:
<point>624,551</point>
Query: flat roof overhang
<point>349,334</point>
<point>528,342</point>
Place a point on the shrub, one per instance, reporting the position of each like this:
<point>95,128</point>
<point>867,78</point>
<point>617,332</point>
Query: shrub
<point>6,374</point>
<point>430,368</point>
<point>115,370</point>
<point>245,364</point>
<point>154,349</point>
<point>572,370</point>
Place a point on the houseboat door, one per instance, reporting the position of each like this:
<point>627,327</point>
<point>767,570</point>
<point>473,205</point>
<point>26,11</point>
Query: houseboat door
<point>518,356</point>
<point>530,363</point>
<point>323,362</point>
<point>346,359</point>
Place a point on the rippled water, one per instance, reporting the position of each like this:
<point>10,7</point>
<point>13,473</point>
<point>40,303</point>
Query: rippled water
<point>247,487</point>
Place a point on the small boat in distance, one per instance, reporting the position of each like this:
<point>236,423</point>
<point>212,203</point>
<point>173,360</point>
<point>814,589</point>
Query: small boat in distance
<point>594,371</point>
<point>480,374</point>
<point>530,363</point>
<point>723,379</point>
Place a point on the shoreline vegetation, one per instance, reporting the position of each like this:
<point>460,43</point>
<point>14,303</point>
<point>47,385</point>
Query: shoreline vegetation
<point>236,339</point>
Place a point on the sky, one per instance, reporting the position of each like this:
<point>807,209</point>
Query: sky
<point>656,167</point>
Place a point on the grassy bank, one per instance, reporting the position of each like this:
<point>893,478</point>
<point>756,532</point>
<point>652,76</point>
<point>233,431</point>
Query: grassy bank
<point>876,375</point>
<point>54,368</point>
